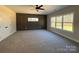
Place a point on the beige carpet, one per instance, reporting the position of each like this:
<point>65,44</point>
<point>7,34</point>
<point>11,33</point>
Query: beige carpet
<point>37,41</point>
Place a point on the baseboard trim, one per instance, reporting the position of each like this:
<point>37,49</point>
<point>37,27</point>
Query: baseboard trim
<point>6,36</point>
<point>65,36</point>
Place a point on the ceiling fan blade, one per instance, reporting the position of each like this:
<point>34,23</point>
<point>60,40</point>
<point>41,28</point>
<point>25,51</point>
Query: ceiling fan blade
<point>42,9</point>
<point>40,6</point>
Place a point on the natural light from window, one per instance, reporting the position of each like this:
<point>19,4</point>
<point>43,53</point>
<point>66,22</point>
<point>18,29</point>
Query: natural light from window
<point>59,22</point>
<point>53,22</point>
<point>68,22</point>
<point>64,22</point>
<point>33,19</point>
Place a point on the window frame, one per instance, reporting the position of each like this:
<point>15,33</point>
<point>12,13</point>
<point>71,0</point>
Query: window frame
<point>32,19</point>
<point>69,22</point>
<point>62,22</point>
<point>52,22</point>
<point>59,22</point>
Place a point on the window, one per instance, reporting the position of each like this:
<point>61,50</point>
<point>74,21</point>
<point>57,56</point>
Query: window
<point>53,22</point>
<point>68,22</point>
<point>64,22</point>
<point>59,22</point>
<point>33,20</point>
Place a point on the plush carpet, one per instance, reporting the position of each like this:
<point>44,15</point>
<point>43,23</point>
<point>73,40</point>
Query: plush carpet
<point>37,41</point>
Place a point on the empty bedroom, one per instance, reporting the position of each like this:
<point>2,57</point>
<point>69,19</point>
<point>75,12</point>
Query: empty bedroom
<point>39,28</point>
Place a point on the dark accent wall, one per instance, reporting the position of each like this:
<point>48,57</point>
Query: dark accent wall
<point>23,24</point>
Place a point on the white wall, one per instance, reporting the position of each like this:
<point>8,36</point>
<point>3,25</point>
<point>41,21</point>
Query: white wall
<point>7,19</point>
<point>71,35</point>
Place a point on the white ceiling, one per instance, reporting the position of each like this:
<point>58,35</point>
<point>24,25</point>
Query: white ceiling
<point>30,9</point>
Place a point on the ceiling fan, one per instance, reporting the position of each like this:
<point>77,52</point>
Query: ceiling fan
<point>38,7</point>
